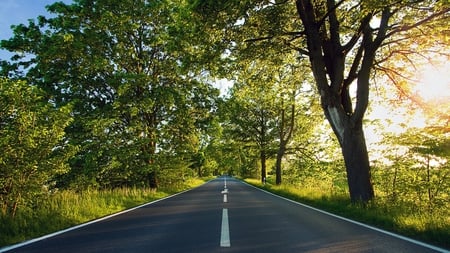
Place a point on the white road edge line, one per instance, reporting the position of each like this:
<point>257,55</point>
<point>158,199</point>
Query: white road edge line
<point>18,245</point>
<point>225,231</point>
<point>426,245</point>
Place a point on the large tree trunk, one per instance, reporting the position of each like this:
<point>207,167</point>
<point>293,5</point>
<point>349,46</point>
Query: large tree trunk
<point>354,149</point>
<point>357,164</point>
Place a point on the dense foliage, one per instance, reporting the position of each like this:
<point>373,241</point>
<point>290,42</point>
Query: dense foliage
<point>33,144</point>
<point>137,111</point>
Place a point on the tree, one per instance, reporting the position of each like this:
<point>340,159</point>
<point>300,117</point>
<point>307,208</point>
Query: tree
<point>265,110</point>
<point>428,149</point>
<point>286,130</point>
<point>342,40</point>
<point>293,107</point>
<point>251,114</point>
<point>119,64</point>
<point>414,172</point>
<point>231,154</point>
<point>34,148</point>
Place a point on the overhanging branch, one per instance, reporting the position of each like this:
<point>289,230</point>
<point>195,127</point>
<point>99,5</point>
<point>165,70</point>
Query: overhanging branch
<point>275,36</point>
<point>259,39</point>
<point>286,42</point>
<point>419,23</point>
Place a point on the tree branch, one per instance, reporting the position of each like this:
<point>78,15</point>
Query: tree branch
<point>330,11</point>
<point>419,23</point>
<point>352,74</point>
<point>298,49</point>
<point>351,43</point>
<point>334,23</point>
<point>275,36</point>
<point>280,3</point>
<point>390,73</point>
<point>259,39</point>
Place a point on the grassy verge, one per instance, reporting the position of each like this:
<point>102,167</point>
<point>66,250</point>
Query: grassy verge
<point>402,218</point>
<point>67,208</point>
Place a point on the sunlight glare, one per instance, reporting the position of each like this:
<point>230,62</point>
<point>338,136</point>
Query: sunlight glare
<point>433,82</point>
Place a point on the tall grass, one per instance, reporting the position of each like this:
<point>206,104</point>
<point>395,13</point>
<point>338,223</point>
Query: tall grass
<point>404,218</point>
<point>64,209</point>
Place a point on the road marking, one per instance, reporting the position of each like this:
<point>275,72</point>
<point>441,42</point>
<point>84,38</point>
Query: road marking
<point>426,245</point>
<point>225,231</point>
<point>225,191</point>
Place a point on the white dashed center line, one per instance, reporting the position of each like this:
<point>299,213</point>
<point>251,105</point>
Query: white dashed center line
<point>225,231</point>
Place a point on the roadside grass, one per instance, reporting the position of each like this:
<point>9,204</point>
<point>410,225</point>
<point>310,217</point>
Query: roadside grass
<point>65,209</point>
<point>406,219</point>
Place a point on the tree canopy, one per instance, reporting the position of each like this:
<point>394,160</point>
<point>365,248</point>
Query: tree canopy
<point>118,64</point>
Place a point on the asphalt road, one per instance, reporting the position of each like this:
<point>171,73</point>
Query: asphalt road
<point>212,218</point>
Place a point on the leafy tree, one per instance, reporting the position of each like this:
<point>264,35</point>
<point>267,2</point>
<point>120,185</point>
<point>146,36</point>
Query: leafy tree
<point>252,121</point>
<point>33,144</point>
<point>296,115</point>
<point>426,156</point>
<point>225,152</point>
<point>265,111</point>
<point>120,65</point>
<point>343,41</point>
<point>285,132</point>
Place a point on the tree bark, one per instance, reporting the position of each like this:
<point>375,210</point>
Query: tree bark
<point>354,149</point>
<point>357,164</point>
<point>280,154</point>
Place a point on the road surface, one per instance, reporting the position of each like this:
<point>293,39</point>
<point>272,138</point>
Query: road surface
<point>223,215</point>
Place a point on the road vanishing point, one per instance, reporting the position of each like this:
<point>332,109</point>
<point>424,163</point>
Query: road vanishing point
<point>223,215</point>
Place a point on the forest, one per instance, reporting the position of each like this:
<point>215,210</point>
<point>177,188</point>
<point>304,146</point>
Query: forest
<point>347,98</point>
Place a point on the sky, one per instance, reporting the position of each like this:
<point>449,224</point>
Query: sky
<point>14,12</point>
